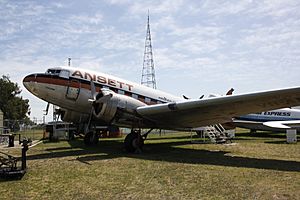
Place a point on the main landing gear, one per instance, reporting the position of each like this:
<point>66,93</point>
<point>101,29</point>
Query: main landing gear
<point>91,138</point>
<point>134,141</point>
<point>93,134</point>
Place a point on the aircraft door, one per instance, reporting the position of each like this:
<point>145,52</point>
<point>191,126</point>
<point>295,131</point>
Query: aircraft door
<point>73,90</point>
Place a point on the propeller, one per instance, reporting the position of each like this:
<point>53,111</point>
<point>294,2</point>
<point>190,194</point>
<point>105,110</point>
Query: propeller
<point>47,109</point>
<point>97,98</point>
<point>101,99</point>
<point>92,99</point>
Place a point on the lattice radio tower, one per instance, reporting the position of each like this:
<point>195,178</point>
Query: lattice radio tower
<point>148,73</point>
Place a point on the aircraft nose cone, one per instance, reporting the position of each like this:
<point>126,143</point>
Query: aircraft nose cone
<point>29,83</point>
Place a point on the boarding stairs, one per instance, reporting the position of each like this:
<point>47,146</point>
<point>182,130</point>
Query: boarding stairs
<point>216,133</point>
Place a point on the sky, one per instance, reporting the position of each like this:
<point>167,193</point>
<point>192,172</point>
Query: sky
<point>199,46</point>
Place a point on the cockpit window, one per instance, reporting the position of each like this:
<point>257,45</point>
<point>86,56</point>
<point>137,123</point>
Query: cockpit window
<point>53,71</point>
<point>59,72</point>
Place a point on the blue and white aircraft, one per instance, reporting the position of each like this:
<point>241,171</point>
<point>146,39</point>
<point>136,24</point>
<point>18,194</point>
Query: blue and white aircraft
<point>270,120</point>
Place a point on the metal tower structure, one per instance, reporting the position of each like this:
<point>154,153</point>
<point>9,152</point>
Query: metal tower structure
<point>148,73</point>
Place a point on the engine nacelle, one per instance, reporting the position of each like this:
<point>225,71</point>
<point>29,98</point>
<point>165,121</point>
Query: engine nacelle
<point>106,107</point>
<point>72,116</point>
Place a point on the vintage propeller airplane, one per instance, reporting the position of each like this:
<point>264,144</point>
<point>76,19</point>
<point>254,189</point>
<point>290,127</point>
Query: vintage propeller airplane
<point>90,99</point>
<point>265,121</point>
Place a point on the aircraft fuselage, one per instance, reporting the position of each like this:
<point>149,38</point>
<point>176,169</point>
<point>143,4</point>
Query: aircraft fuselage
<point>70,88</point>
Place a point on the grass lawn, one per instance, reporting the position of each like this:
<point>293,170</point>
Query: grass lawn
<point>170,167</point>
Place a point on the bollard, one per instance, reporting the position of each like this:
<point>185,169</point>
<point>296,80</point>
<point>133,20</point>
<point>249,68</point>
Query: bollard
<point>11,140</point>
<point>24,149</point>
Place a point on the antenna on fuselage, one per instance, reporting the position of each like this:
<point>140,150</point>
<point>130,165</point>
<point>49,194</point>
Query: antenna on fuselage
<point>69,61</point>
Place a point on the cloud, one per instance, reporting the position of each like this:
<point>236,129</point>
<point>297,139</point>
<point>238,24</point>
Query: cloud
<point>86,19</point>
<point>198,46</point>
<point>155,7</point>
<point>274,8</point>
<point>221,8</point>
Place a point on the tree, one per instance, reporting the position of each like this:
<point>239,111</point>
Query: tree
<point>13,106</point>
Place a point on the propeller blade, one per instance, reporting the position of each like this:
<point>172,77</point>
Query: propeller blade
<point>230,91</point>
<point>185,97</point>
<point>47,108</point>
<point>93,92</point>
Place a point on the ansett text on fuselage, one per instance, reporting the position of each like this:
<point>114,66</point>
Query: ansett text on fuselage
<point>102,79</point>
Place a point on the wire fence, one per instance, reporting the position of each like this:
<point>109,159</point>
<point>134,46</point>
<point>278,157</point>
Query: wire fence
<point>18,130</point>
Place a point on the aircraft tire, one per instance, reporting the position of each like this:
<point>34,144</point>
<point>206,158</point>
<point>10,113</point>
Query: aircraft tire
<point>132,144</point>
<point>91,138</point>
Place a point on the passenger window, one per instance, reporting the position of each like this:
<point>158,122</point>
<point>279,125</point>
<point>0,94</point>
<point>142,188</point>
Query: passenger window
<point>135,96</point>
<point>147,100</point>
<point>121,91</point>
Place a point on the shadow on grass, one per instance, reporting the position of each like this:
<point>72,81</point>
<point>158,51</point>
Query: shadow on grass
<point>168,152</point>
<point>262,134</point>
<point>170,138</point>
<point>276,142</point>
<point>6,178</point>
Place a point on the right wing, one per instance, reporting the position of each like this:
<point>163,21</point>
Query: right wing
<point>202,112</point>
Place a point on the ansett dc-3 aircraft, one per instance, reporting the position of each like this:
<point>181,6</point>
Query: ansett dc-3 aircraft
<point>95,99</point>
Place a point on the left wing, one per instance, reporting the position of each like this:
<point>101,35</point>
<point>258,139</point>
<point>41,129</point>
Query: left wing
<point>202,112</point>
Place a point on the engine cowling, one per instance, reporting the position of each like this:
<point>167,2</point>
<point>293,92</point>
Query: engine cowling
<point>72,116</point>
<point>110,103</point>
